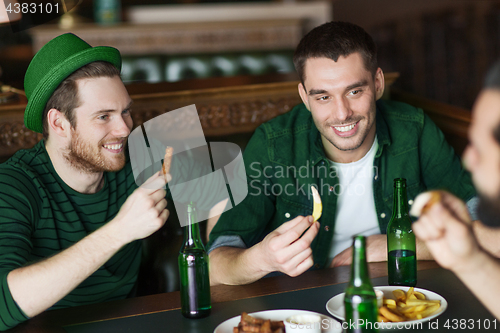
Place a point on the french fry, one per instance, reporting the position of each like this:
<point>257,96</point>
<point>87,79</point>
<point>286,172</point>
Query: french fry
<point>430,310</point>
<point>414,302</point>
<point>383,319</point>
<point>388,301</point>
<point>409,293</point>
<point>384,311</point>
<point>401,304</point>
<point>408,309</point>
<point>418,295</point>
<point>399,294</point>
<point>167,160</point>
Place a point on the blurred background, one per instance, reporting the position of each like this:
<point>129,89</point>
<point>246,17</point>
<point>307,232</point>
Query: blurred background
<point>441,48</point>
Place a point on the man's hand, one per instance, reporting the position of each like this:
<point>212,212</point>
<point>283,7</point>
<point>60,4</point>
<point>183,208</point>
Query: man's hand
<point>376,250</point>
<point>284,249</point>
<point>144,211</point>
<point>446,230</point>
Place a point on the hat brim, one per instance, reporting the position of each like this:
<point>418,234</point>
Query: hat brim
<point>48,84</point>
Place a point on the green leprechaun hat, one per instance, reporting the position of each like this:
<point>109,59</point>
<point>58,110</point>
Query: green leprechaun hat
<point>54,62</point>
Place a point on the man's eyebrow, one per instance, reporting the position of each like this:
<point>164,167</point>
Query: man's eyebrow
<point>363,83</point>
<point>357,84</point>
<point>111,110</point>
<point>316,92</point>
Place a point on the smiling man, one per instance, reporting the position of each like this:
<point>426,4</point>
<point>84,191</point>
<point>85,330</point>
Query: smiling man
<point>71,213</point>
<point>348,143</point>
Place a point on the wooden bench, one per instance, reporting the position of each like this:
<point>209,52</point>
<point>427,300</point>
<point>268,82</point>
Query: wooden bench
<point>228,107</point>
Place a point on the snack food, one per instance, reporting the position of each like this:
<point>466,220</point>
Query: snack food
<point>318,206</point>
<point>167,160</point>
<point>424,202</point>
<point>251,324</point>
<point>411,305</point>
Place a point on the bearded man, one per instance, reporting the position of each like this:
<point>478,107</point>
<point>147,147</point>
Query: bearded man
<point>446,227</point>
<point>71,212</point>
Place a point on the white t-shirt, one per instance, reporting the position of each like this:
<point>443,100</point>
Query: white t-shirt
<point>356,214</point>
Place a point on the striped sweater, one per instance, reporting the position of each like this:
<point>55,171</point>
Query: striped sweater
<point>40,216</point>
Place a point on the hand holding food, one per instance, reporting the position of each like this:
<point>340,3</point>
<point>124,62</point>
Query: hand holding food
<point>424,202</point>
<point>411,305</point>
<point>288,248</point>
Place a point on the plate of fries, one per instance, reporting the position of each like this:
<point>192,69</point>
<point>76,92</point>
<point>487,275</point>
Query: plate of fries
<point>256,322</point>
<point>400,304</point>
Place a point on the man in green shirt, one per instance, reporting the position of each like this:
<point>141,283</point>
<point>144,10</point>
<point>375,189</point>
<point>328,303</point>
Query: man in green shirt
<point>346,142</point>
<point>71,213</point>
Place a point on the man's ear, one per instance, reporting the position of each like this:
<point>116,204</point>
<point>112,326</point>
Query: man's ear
<point>303,95</point>
<point>58,124</point>
<point>379,83</point>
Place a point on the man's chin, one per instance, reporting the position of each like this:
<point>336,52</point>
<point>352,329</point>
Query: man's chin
<point>117,164</point>
<point>346,144</point>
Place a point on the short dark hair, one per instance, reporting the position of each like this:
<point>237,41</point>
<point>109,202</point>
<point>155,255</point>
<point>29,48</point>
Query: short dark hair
<point>65,97</point>
<point>332,40</point>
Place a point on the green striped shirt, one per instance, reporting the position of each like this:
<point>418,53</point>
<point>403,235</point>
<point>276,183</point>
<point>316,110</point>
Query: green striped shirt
<point>40,216</point>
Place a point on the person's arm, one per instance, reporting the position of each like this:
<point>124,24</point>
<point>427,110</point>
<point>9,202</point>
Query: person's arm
<point>282,250</point>
<point>487,237</point>
<point>446,230</point>
<point>38,286</point>
<point>480,274</point>
<point>376,250</point>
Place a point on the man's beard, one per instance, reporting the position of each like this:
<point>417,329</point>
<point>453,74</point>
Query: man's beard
<point>488,210</point>
<point>89,159</point>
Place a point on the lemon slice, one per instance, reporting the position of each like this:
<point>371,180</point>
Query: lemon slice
<point>318,206</point>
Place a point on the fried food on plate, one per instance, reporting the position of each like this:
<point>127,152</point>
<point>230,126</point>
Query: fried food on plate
<point>256,325</point>
<point>411,305</point>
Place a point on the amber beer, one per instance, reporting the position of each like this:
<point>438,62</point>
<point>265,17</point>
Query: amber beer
<point>401,247</point>
<point>193,270</point>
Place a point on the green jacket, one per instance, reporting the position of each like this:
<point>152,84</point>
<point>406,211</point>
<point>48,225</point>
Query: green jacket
<point>285,157</point>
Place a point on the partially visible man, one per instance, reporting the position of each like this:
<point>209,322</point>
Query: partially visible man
<point>70,209</point>
<point>346,142</point>
<point>447,228</point>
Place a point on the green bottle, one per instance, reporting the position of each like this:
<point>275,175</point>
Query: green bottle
<point>401,248</point>
<point>360,301</point>
<point>193,270</point>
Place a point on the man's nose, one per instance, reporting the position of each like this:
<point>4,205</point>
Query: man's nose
<point>121,128</point>
<point>469,158</point>
<point>343,110</point>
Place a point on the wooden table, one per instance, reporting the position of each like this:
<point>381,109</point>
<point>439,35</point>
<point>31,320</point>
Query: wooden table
<point>152,313</point>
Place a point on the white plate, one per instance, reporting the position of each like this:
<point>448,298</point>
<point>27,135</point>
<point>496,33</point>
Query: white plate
<point>336,304</point>
<point>329,325</point>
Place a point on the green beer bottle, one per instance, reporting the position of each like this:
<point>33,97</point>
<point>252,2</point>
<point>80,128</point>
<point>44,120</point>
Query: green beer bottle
<point>401,248</point>
<point>193,270</point>
<point>360,301</point>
